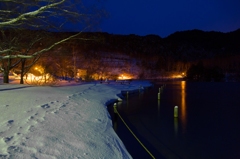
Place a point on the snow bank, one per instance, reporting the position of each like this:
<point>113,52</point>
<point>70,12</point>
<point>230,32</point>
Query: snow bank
<point>67,121</point>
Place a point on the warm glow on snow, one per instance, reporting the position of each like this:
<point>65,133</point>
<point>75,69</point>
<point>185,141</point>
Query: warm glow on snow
<point>125,77</point>
<point>32,77</point>
<point>177,76</point>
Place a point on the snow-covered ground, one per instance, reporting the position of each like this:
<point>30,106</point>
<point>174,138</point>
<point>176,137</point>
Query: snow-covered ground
<point>69,121</point>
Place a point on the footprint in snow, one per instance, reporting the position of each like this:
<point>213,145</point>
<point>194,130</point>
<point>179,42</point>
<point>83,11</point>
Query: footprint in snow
<point>7,139</point>
<point>3,156</point>
<point>29,111</point>
<point>32,128</point>
<point>78,114</point>
<point>10,122</point>
<point>14,149</point>
<point>63,105</point>
<point>45,106</point>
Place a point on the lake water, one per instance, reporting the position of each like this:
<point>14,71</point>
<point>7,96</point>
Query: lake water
<point>208,125</point>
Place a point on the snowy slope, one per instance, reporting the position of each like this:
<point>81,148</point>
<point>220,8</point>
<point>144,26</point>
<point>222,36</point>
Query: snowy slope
<point>67,121</point>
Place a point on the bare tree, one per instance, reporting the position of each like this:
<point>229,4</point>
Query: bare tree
<point>44,15</point>
<point>62,63</point>
<point>26,64</point>
<point>7,40</point>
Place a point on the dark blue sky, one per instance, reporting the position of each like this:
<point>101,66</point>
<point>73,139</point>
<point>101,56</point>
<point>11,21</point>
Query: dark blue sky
<point>164,17</point>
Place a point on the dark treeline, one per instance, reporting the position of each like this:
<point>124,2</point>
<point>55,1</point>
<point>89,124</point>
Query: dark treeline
<point>179,52</point>
<point>186,46</point>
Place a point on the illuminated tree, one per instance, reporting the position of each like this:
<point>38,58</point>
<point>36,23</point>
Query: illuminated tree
<point>72,50</point>
<point>40,15</point>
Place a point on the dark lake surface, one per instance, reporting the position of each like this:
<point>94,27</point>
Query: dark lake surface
<point>208,125</point>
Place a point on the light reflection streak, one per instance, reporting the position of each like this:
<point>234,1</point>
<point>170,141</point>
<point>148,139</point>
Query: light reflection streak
<point>176,126</point>
<point>158,108</point>
<point>183,108</point>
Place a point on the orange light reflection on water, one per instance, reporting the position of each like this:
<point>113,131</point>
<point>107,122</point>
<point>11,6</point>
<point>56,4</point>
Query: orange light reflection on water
<point>183,109</point>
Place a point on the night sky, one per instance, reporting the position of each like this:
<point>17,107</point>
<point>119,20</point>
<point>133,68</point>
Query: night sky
<point>164,17</point>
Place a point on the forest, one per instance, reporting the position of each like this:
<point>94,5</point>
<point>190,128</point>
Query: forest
<point>194,54</point>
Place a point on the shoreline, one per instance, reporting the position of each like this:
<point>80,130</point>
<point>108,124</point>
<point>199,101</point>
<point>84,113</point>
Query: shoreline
<point>60,112</point>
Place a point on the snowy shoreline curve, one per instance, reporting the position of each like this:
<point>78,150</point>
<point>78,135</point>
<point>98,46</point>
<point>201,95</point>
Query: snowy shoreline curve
<point>67,121</point>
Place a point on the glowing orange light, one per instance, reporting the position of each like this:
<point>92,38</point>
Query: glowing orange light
<point>32,77</point>
<point>124,77</point>
<point>177,76</point>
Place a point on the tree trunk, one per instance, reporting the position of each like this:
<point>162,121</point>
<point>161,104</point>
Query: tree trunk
<point>6,72</point>
<point>21,80</point>
<point>22,71</point>
<point>5,77</point>
<point>74,67</point>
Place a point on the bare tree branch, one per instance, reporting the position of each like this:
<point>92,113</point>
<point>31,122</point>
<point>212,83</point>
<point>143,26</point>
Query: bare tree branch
<point>32,13</point>
<point>15,64</point>
<point>41,51</point>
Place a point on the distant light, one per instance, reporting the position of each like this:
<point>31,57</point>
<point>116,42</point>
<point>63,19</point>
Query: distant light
<point>36,68</point>
<point>177,76</point>
<point>124,77</point>
<point>183,73</point>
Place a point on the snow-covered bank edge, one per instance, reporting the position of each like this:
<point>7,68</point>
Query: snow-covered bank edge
<point>60,122</point>
<point>123,94</point>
